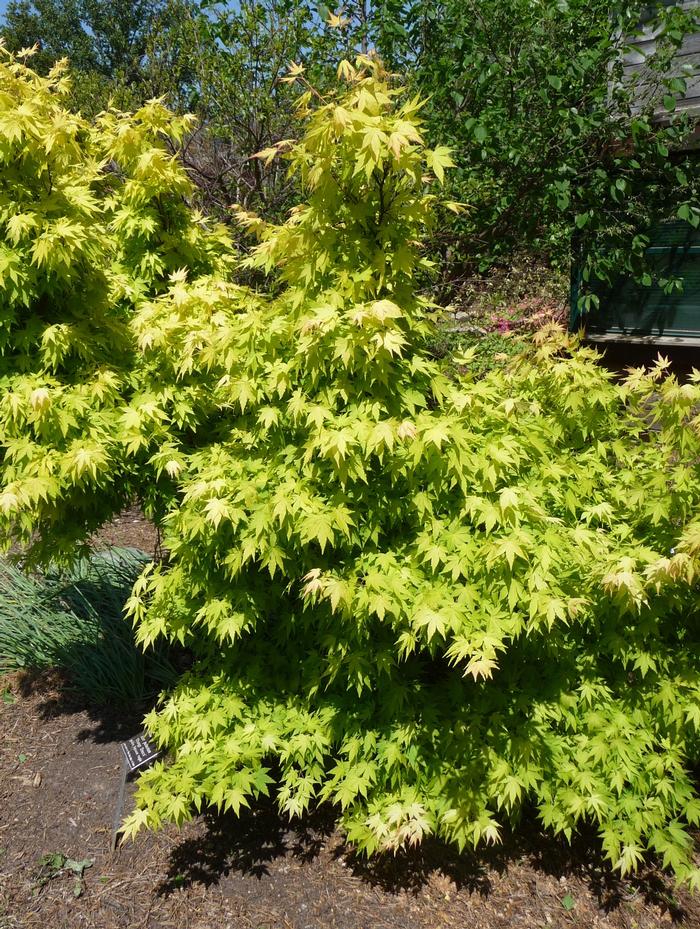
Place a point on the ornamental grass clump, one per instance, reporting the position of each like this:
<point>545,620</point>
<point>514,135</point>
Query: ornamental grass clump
<point>430,601</point>
<point>75,622</point>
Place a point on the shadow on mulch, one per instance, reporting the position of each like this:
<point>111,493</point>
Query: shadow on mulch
<point>59,698</point>
<point>546,854</point>
<point>250,843</point>
<point>222,849</point>
<point>247,843</point>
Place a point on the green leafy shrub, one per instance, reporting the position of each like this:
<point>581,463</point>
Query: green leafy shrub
<point>428,600</point>
<point>549,141</point>
<point>552,143</point>
<point>76,622</point>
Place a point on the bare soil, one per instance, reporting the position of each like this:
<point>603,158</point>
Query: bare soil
<point>59,781</point>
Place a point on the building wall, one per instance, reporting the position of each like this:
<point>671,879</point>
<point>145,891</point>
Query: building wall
<point>685,64</point>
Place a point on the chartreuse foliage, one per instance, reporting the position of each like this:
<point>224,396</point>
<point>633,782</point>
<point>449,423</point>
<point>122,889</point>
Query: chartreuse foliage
<point>429,601</point>
<point>92,220</point>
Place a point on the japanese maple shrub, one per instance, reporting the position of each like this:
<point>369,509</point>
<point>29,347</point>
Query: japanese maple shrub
<point>427,600</point>
<point>93,219</point>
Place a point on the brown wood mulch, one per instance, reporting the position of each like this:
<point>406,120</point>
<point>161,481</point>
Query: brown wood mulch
<point>131,529</point>
<point>59,781</point>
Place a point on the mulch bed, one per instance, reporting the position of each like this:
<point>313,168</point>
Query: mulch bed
<point>59,781</point>
<point>130,529</point>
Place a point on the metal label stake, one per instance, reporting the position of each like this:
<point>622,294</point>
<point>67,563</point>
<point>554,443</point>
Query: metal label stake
<point>137,753</point>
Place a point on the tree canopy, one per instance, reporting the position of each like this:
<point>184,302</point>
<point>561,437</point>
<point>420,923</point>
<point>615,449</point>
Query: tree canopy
<point>549,142</point>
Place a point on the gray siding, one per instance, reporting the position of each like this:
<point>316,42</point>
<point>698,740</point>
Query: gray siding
<point>685,64</point>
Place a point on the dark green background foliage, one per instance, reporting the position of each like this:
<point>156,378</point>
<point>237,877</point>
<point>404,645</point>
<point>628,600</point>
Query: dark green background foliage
<point>547,142</point>
<point>114,47</point>
<point>548,148</point>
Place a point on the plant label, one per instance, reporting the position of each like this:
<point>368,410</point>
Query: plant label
<point>139,752</point>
